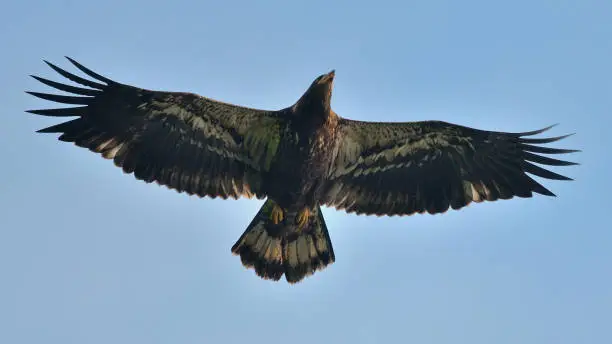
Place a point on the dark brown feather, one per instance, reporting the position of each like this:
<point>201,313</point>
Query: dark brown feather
<point>404,168</point>
<point>184,141</point>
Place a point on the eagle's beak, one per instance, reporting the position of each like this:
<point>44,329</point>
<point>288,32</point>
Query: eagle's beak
<point>331,75</point>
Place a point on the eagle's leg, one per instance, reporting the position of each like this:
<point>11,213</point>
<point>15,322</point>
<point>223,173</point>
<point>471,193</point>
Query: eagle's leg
<point>302,217</point>
<point>276,214</point>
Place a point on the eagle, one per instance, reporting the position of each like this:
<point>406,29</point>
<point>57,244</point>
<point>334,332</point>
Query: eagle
<point>297,158</point>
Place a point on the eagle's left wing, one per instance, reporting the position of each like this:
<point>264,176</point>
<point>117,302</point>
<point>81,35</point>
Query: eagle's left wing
<point>429,166</point>
<point>182,140</point>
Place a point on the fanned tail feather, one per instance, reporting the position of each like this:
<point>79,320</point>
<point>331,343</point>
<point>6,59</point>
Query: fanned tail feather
<point>277,250</point>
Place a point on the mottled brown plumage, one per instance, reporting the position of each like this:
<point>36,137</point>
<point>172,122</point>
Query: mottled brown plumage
<point>299,158</point>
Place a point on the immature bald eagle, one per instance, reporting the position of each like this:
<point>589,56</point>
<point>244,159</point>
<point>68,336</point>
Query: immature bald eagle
<point>299,158</point>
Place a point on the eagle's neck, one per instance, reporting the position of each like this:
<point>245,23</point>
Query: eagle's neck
<point>311,117</point>
<point>314,107</point>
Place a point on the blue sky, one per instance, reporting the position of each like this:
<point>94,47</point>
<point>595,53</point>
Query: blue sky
<point>90,255</point>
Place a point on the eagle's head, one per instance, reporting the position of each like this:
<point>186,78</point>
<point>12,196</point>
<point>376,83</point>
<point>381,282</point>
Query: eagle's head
<point>317,99</point>
<point>325,79</point>
<point>323,85</point>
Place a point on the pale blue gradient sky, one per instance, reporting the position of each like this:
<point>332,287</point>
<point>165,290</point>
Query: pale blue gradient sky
<point>90,255</point>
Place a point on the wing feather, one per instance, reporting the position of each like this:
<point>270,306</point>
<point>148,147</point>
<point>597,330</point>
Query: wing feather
<point>431,166</point>
<point>184,141</point>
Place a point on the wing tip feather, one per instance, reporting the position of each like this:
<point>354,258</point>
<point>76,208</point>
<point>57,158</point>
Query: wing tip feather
<point>76,78</point>
<point>89,72</point>
<point>538,131</point>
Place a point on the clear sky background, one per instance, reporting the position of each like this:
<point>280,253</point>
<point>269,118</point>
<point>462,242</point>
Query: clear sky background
<point>90,255</point>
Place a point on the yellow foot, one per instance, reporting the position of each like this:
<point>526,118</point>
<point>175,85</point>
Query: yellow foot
<point>302,217</point>
<point>276,215</point>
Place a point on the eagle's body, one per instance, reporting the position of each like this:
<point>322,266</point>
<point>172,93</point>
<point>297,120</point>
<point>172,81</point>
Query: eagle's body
<point>299,158</point>
<point>304,156</point>
<point>304,170</point>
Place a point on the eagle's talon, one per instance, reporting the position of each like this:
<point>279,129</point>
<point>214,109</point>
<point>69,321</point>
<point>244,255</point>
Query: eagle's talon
<point>276,215</point>
<point>302,218</point>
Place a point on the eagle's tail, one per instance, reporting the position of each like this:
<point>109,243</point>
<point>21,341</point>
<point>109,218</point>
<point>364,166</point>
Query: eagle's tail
<point>273,250</point>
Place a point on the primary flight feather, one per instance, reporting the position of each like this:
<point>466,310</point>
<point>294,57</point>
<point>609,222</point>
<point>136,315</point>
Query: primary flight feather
<point>298,158</point>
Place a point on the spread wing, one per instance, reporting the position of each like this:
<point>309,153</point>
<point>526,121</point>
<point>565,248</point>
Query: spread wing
<point>184,141</point>
<point>429,166</point>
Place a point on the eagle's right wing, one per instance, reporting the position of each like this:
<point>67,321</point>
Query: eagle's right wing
<point>431,166</point>
<point>181,140</point>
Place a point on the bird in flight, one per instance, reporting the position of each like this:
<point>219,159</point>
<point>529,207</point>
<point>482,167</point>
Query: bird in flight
<point>298,158</point>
